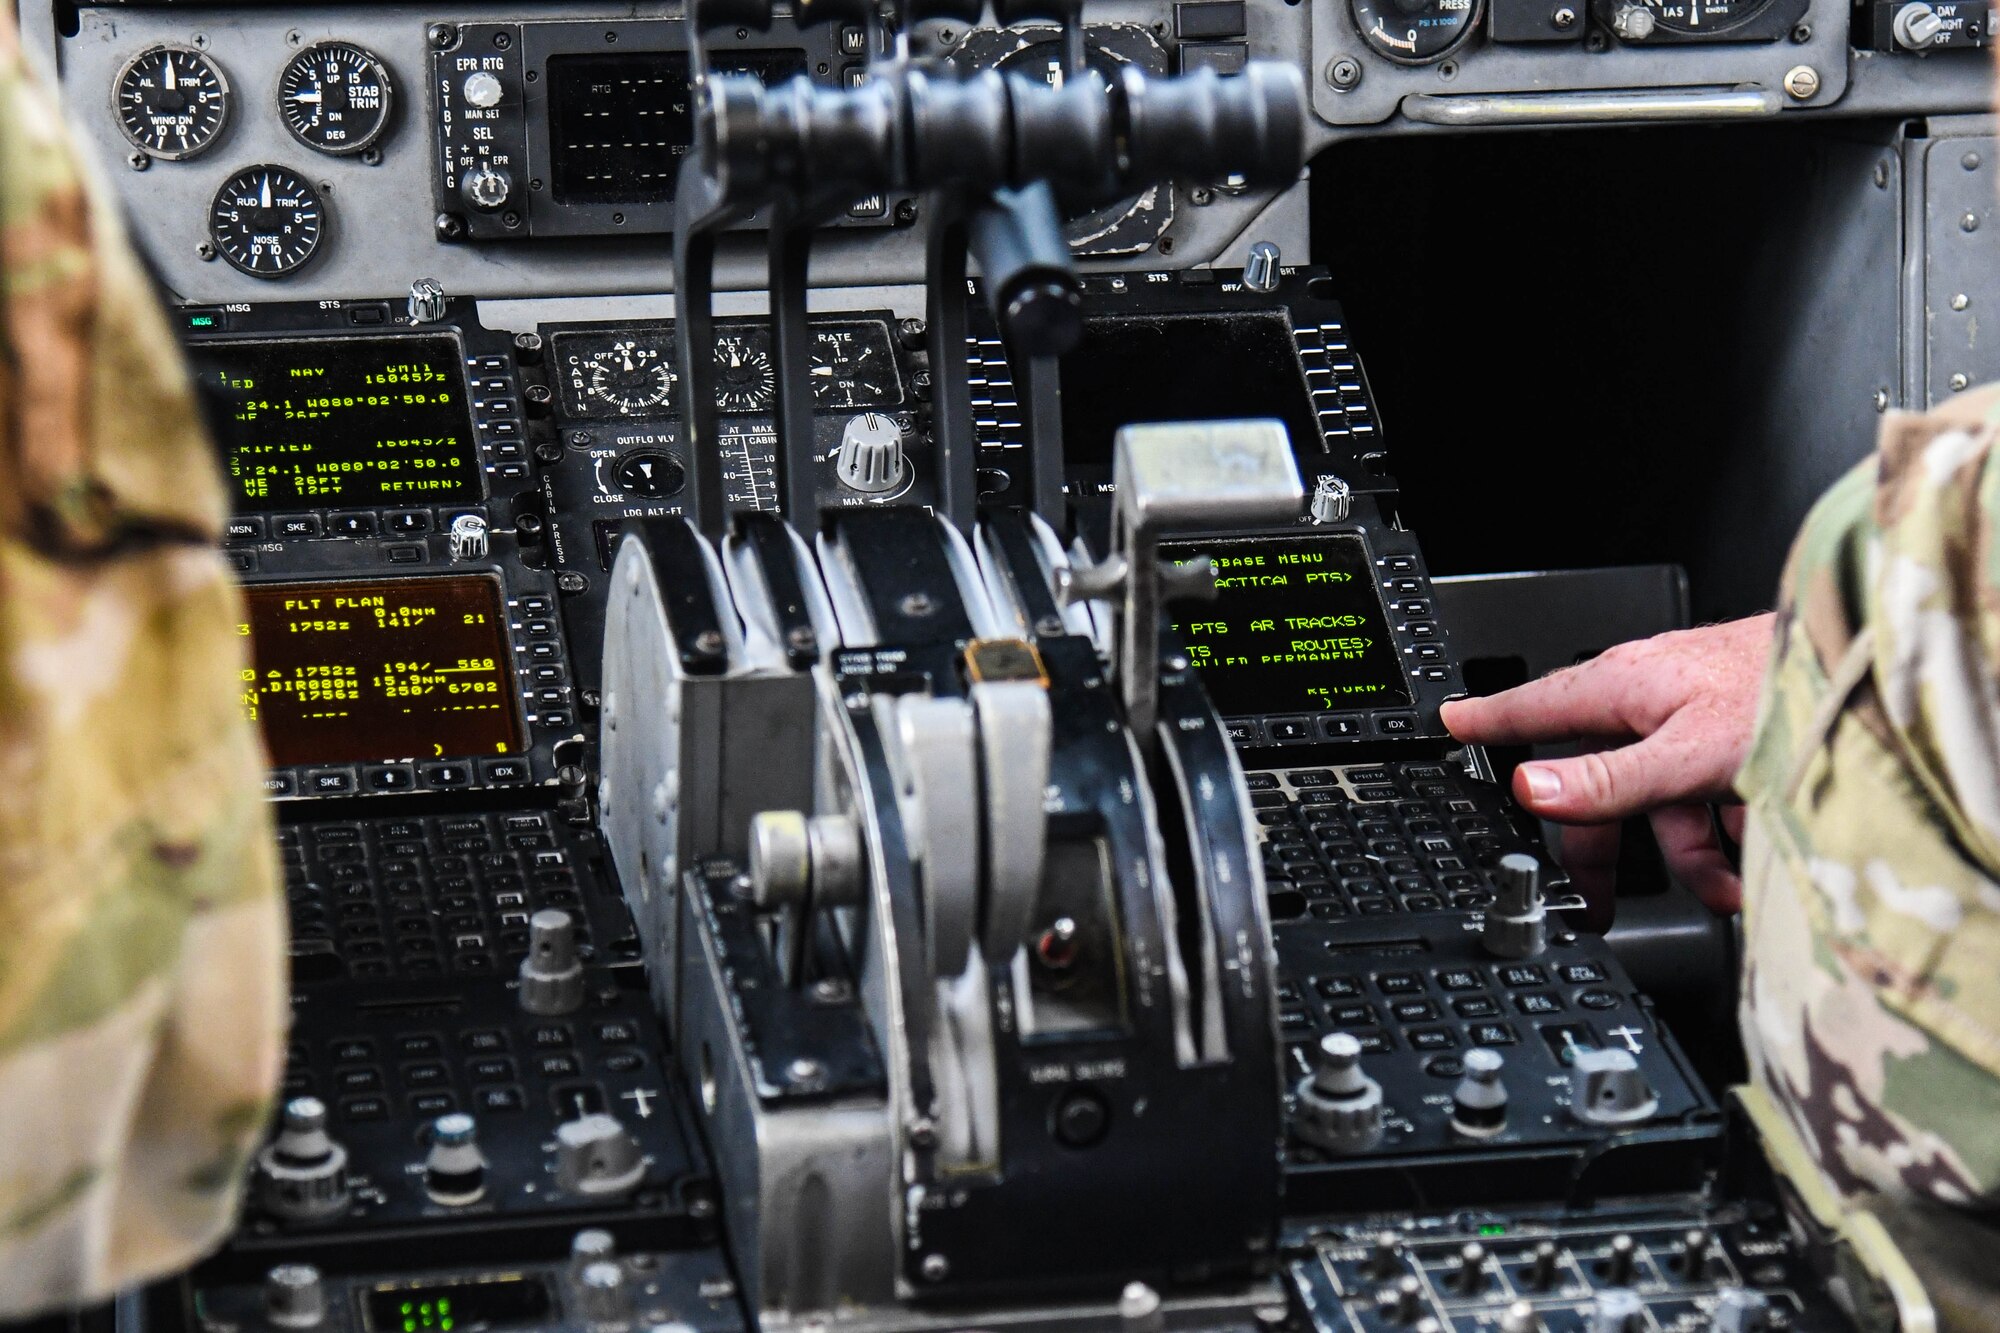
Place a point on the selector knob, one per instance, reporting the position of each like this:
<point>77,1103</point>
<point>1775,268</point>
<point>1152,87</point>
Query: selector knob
<point>1479,1102</point>
<point>1617,1310</point>
<point>1544,1263</point>
<point>455,1169</point>
<point>1633,22</point>
<point>598,1157</point>
<point>603,1293</point>
<point>871,454</point>
<point>294,1296</point>
<point>482,90</point>
<point>1517,924</point>
<point>1916,25</point>
<point>1695,1247</point>
<point>1470,1275</point>
<point>487,187</point>
<point>1332,499</point>
<point>552,973</point>
<point>1339,1107</point>
<point>426,303</point>
<point>1385,1258</point>
<point>467,537</point>
<point>1260,269</point>
<point>1619,1261</point>
<point>302,1173</point>
<point>1607,1088</point>
<point>590,1246</point>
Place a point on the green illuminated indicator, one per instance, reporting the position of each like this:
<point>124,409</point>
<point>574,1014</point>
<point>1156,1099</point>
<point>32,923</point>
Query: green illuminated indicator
<point>1493,1229</point>
<point>427,1314</point>
<point>201,321</point>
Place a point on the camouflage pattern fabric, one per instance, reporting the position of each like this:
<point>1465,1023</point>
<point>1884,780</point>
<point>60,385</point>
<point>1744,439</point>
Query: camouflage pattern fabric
<point>1871,999</point>
<point>142,983</point>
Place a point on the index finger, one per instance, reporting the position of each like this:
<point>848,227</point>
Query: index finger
<point>1584,701</point>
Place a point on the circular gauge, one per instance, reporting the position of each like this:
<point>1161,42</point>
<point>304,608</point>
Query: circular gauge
<point>744,379</point>
<point>1692,18</point>
<point>267,221</point>
<point>628,377</point>
<point>172,101</point>
<point>853,367</point>
<point>335,98</point>
<point>1415,32</point>
<point>649,474</point>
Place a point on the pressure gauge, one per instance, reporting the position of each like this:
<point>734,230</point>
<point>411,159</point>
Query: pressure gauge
<point>172,101</point>
<point>1415,32</point>
<point>267,221</point>
<point>335,98</point>
<point>630,378</point>
<point>745,380</point>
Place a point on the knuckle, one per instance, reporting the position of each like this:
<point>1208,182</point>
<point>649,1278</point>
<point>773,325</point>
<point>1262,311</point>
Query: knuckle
<point>1600,778</point>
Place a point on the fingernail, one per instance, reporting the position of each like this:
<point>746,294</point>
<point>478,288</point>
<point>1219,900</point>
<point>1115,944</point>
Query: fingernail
<point>1544,784</point>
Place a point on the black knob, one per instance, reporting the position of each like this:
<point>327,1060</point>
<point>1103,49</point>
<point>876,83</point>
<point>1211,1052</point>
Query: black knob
<point>1542,1265</point>
<point>1618,1263</point>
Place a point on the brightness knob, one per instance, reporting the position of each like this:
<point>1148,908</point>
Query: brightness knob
<point>1339,1107</point>
<point>302,1174</point>
<point>598,1157</point>
<point>482,90</point>
<point>871,454</point>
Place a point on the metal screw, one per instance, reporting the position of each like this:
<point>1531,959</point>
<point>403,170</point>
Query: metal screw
<point>708,643</point>
<point>906,211</point>
<point>801,639</point>
<point>501,41</point>
<point>1970,161</point>
<point>830,990</point>
<point>371,157</point>
<point>537,393</point>
<point>1882,175</point>
<point>293,38</point>
<point>580,439</point>
<point>443,35</point>
<point>206,251</point>
<point>1448,70</point>
<point>936,1267</point>
<point>1959,381</point>
<point>1960,301</point>
<point>1201,196</point>
<point>549,451</point>
<point>1563,19</point>
<point>805,1069</point>
<point>448,226</point>
<point>139,161</point>
<point>570,583</point>
<point>923,1133</point>
<point>916,604</point>
<point>1802,82</point>
<point>1344,72</point>
<point>1881,400</point>
<point>1970,222</point>
<point>1802,34</point>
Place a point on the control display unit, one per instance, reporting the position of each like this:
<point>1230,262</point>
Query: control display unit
<point>379,671</point>
<point>1296,626</point>
<point>341,422</point>
<point>1183,367</point>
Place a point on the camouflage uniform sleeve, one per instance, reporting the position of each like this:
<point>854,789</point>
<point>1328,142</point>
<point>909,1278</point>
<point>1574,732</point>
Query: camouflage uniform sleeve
<point>1871,999</point>
<point>141,934</point>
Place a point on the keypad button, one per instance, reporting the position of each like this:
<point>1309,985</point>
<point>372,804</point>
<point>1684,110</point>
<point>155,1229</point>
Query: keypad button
<point>430,1105</point>
<point>363,1078</point>
<point>1476,1006</point>
<point>428,1074</point>
<point>1522,974</point>
<point>352,1050</point>
<point>1580,974</point>
<point>1597,999</point>
<point>552,1036</point>
<point>617,1033</point>
<point>500,1100</point>
<point>1431,1039</point>
<point>1399,983</point>
<point>493,1069</point>
<point>1538,1002</point>
<point>416,1044</point>
<point>1375,1043</point>
<point>484,1041</point>
<point>1337,988</point>
<point>1492,1034</point>
<point>556,1066</point>
<point>359,1109</point>
<point>1414,1011</point>
<point>624,1062</point>
<point>1290,728</point>
<point>1351,1015</point>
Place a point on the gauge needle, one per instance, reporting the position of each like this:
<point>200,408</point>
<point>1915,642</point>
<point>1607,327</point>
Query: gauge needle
<point>264,195</point>
<point>173,84</point>
<point>628,362</point>
<point>823,370</point>
<point>314,96</point>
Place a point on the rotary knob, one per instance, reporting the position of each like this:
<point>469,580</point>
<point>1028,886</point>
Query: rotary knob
<point>1339,1107</point>
<point>302,1173</point>
<point>467,537</point>
<point>455,1169</point>
<point>603,1293</point>
<point>871,454</point>
<point>1916,25</point>
<point>598,1157</point>
<point>1517,924</point>
<point>487,187</point>
<point>1479,1103</point>
<point>482,89</point>
<point>294,1296</point>
<point>552,973</point>
<point>1633,22</point>
<point>1608,1088</point>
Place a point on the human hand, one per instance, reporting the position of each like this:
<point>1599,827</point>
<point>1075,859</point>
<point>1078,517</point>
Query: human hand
<point>1668,721</point>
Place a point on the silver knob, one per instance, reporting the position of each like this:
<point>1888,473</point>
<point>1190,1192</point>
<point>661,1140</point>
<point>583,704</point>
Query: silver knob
<point>455,1169</point>
<point>427,301</point>
<point>486,187</point>
<point>467,537</point>
<point>588,1247</point>
<point>603,1293</point>
<point>302,1173</point>
<point>596,1156</point>
<point>552,973</point>
<point>1139,1309</point>
<point>1617,1310</point>
<point>482,90</point>
<point>1606,1088</point>
<point>1479,1102</point>
<point>871,454</point>
<point>1332,499</point>
<point>1517,924</point>
<point>1916,25</point>
<point>780,858</point>
<point>1633,22</point>
<point>1339,1107</point>
<point>294,1296</point>
<point>1520,1317</point>
<point>1260,270</point>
